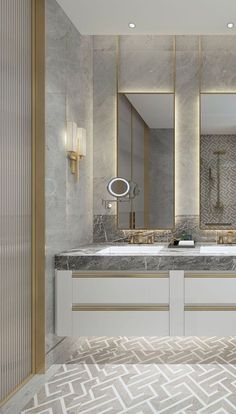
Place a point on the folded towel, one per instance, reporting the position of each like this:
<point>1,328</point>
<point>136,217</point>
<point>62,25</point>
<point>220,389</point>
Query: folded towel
<point>186,243</point>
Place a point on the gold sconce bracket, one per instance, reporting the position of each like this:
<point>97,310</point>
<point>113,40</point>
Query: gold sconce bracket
<point>73,157</point>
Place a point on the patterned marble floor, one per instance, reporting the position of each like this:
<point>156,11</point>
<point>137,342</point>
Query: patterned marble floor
<point>143,376</point>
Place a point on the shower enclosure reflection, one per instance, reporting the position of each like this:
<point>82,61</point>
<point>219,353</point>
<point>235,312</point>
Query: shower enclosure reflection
<point>218,161</point>
<point>145,155</point>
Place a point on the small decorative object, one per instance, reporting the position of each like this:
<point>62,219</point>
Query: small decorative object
<point>182,243</point>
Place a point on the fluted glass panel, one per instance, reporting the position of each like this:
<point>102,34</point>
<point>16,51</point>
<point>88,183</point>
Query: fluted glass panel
<point>15,193</point>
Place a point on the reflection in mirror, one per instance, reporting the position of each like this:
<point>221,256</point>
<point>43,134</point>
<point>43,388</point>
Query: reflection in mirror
<point>146,157</point>
<point>218,161</point>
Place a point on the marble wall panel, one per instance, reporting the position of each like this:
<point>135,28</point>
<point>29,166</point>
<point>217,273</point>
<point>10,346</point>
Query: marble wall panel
<point>69,96</point>
<point>105,230</point>
<point>186,129</point>
<point>104,121</point>
<point>146,63</point>
<point>218,63</point>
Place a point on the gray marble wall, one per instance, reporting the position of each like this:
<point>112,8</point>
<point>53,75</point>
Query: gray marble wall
<point>187,126</point>
<point>152,64</point>
<point>104,120</point>
<point>69,96</point>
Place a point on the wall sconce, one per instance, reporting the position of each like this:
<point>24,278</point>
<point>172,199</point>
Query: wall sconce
<point>81,135</point>
<point>76,145</point>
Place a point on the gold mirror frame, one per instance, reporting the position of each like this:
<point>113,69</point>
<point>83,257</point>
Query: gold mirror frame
<point>213,226</point>
<point>117,159</point>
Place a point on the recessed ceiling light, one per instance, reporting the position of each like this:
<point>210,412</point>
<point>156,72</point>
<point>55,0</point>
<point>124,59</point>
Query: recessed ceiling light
<point>230,25</point>
<point>132,25</point>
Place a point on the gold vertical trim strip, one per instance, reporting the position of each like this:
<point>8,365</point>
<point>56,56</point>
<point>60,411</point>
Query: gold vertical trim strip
<point>199,124</point>
<point>146,177</point>
<point>131,162</point>
<point>174,127</point>
<point>38,187</point>
<point>117,52</point>
<point>33,181</point>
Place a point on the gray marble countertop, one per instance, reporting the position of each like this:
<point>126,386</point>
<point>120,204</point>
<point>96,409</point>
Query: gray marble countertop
<point>94,249</point>
<point>87,258</point>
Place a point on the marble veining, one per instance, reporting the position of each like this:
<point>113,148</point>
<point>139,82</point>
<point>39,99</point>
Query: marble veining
<point>105,230</point>
<point>146,63</point>
<point>86,258</point>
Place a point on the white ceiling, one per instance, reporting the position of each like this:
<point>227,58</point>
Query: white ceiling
<point>157,110</point>
<point>101,17</point>
<point>218,114</point>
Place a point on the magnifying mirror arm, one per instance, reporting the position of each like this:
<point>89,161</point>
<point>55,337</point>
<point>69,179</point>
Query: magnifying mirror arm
<point>129,193</point>
<point>108,203</point>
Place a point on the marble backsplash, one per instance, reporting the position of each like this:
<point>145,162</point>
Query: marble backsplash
<point>105,230</point>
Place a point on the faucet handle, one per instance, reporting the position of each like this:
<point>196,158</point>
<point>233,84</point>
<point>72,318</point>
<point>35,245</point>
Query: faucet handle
<point>221,240</point>
<point>230,237</point>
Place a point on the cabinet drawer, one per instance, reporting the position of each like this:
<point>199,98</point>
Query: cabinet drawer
<point>120,323</point>
<point>210,290</point>
<point>121,290</point>
<point>210,323</point>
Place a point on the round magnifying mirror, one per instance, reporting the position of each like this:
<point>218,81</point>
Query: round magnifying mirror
<point>118,187</point>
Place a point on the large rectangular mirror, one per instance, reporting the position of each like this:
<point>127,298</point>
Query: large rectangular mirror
<point>218,161</point>
<point>145,157</point>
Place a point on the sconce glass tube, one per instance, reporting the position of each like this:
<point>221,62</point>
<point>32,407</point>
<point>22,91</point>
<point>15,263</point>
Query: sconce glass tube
<point>72,145</point>
<point>82,142</point>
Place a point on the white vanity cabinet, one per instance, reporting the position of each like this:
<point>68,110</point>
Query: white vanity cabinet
<point>112,303</point>
<point>210,304</point>
<point>118,288</point>
<point>176,303</point>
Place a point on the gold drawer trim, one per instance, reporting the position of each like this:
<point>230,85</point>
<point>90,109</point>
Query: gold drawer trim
<point>209,275</point>
<point>221,308</point>
<point>119,308</point>
<point>118,274</point>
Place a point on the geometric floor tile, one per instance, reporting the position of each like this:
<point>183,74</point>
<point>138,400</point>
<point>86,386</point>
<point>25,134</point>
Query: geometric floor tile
<point>142,376</point>
<point>182,350</point>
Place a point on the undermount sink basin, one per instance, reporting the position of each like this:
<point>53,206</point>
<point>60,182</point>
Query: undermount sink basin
<point>142,250</point>
<point>230,250</point>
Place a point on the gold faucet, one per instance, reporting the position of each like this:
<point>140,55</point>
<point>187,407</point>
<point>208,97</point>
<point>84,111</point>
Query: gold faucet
<point>227,239</point>
<point>141,237</point>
